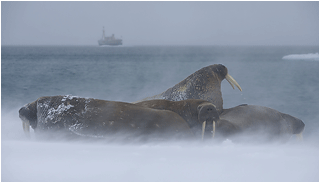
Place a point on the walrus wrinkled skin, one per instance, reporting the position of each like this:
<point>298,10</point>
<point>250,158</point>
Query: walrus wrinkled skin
<point>203,84</point>
<point>100,118</point>
<point>258,123</point>
<point>195,112</point>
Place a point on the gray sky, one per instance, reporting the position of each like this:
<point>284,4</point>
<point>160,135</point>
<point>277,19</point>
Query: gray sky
<point>160,23</point>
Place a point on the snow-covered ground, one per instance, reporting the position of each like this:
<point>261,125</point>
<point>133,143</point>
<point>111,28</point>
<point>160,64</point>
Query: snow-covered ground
<point>34,160</point>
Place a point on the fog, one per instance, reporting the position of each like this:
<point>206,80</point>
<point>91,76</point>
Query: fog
<point>158,23</point>
<point>161,23</point>
<point>33,159</point>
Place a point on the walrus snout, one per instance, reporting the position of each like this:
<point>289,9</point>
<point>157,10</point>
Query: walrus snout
<point>208,115</point>
<point>28,116</point>
<point>299,127</point>
<point>295,125</point>
<point>223,74</point>
<point>207,112</point>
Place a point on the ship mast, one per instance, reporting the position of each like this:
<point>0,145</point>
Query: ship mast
<point>103,36</point>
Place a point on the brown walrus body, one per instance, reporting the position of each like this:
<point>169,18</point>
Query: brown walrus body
<point>244,122</point>
<point>258,123</point>
<point>101,118</point>
<point>195,112</point>
<point>203,84</point>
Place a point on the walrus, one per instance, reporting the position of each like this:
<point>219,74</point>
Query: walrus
<point>201,116</point>
<point>100,118</point>
<point>259,123</point>
<point>203,84</point>
<point>255,122</point>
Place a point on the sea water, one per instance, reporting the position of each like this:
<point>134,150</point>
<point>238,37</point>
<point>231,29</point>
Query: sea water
<point>285,78</point>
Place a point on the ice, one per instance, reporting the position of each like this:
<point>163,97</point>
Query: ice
<point>309,56</point>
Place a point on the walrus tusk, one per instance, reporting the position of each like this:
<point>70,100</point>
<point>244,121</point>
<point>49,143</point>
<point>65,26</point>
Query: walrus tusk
<point>232,81</point>
<point>26,126</point>
<point>203,128</point>
<point>299,137</point>
<point>213,129</point>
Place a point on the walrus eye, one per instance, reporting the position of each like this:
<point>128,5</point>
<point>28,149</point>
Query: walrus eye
<point>198,88</point>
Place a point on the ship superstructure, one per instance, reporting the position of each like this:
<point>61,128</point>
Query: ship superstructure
<point>112,41</point>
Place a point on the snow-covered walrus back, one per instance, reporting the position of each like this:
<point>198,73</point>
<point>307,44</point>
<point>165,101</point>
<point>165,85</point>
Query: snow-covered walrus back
<point>100,118</point>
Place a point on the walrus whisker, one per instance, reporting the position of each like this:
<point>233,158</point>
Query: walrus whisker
<point>203,128</point>
<point>232,81</point>
<point>213,129</point>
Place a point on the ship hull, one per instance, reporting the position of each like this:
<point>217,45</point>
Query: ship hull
<point>110,43</point>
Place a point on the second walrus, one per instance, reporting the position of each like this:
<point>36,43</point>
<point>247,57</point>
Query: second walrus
<point>201,116</point>
<point>243,123</point>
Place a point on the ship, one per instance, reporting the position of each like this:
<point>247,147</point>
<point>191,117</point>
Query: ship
<point>111,41</point>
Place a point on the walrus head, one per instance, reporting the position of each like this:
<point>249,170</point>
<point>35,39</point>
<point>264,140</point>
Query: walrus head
<point>207,114</point>
<point>28,116</point>
<point>204,84</point>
